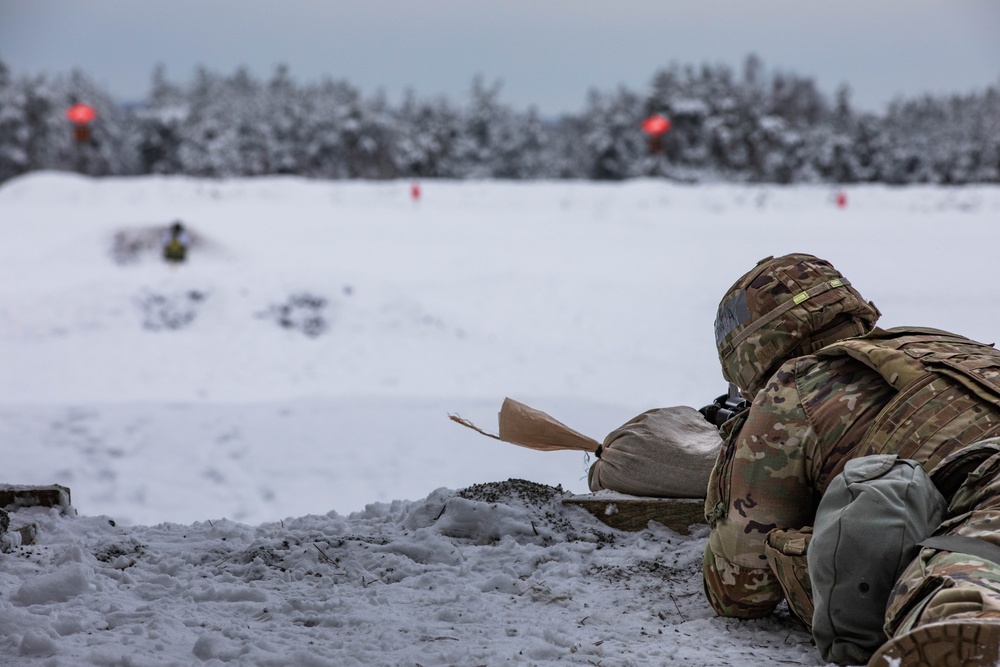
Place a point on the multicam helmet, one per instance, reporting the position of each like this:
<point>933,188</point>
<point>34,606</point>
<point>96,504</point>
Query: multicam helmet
<point>784,308</point>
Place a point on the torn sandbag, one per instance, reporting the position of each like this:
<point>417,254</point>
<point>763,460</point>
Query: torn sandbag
<point>662,453</point>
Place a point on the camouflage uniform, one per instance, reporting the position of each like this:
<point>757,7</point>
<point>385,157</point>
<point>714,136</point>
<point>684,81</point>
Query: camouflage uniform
<point>773,470</point>
<point>827,386</point>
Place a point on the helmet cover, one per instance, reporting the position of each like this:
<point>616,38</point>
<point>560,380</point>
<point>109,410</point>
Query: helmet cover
<point>784,308</point>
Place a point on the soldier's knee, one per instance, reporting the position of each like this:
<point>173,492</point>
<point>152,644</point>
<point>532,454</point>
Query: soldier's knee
<point>955,602</point>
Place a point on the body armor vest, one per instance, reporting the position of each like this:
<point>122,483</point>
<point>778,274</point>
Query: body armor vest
<point>948,391</point>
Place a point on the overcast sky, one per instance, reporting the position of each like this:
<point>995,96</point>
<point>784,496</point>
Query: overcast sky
<point>547,53</point>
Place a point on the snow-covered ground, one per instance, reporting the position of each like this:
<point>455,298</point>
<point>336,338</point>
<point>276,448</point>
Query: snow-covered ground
<point>258,442</point>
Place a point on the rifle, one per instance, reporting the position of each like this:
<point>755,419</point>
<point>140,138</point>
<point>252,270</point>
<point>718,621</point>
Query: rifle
<point>725,407</point>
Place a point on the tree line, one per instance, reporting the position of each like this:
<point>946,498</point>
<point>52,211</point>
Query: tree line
<point>753,125</point>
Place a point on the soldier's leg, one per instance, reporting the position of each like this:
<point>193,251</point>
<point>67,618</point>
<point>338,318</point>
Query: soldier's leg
<point>945,608</point>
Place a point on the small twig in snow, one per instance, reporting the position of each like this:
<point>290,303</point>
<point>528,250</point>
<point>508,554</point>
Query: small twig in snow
<point>323,555</point>
<point>678,607</point>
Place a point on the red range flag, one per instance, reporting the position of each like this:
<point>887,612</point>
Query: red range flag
<point>81,114</point>
<point>656,125</point>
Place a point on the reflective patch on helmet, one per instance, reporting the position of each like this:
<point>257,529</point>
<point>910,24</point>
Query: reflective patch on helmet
<point>733,312</point>
<point>802,296</point>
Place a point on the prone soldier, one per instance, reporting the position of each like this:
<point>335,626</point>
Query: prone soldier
<point>826,386</point>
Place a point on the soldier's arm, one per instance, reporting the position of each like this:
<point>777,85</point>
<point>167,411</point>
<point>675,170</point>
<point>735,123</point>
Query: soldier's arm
<point>760,483</point>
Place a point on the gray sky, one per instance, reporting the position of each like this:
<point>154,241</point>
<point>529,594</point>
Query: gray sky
<point>548,53</point>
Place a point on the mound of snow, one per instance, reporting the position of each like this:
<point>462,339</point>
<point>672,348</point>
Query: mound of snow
<point>496,573</point>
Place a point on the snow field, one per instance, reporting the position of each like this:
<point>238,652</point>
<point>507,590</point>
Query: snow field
<point>258,442</point>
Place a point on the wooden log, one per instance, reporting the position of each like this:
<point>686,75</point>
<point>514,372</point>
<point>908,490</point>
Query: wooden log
<point>634,513</point>
<point>16,496</point>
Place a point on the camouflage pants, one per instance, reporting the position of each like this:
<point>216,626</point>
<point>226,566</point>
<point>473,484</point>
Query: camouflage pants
<point>786,555</point>
<point>941,585</point>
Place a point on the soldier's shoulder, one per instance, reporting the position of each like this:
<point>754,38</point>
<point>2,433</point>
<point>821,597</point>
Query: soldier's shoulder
<point>811,372</point>
<point>809,364</point>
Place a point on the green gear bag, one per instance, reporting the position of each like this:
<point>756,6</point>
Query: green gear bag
<point>867,529</point>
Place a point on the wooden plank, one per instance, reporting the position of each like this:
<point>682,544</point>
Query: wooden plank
<point>15,496</point>
<point>634,513</point>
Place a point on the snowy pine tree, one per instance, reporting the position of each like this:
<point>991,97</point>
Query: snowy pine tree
<point>761,126</point>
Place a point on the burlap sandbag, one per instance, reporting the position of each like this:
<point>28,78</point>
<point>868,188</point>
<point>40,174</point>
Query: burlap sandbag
<point>662,453</point>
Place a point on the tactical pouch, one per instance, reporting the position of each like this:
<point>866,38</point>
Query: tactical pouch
<point>786,554</point>
<point>717,494</point>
